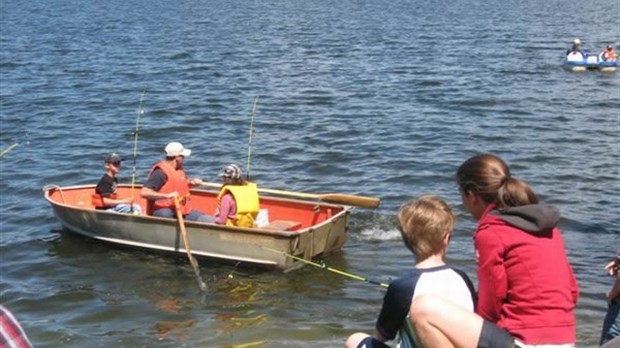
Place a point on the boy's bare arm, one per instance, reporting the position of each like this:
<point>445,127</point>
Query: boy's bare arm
<point>614,293</point>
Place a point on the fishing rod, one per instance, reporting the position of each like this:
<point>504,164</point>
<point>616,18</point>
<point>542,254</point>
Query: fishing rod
<point>247,175</point>
<point>324,266</point>
<point>135,149</point>
<point>8,149</point>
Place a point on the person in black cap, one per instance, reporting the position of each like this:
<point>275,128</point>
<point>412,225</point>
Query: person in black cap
<point>105,196</point>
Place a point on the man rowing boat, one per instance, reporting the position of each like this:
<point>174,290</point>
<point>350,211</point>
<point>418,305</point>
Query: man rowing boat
<point>167,181</point>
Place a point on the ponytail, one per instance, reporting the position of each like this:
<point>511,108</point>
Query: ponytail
<point>514,193</point>
<point>489,177</point>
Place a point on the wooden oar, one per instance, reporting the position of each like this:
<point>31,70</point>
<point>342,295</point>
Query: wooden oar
<point>192,260</point>
<point>341,198</point>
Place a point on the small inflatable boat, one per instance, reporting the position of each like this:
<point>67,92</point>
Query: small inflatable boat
<point>577,62</point>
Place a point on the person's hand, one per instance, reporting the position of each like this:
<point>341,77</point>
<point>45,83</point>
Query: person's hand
<point>607,297</point>
<point>196,182</point>
<point>127,201</point>
<point>173,194</point>
<point>612,268</point>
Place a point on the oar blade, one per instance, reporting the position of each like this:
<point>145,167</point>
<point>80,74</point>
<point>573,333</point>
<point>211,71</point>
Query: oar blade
<point>358,201</point>
<point>192,259</point>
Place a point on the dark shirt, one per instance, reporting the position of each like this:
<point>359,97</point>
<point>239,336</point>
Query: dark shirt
<point>156,180</point>
<point>106,186</point>
<point>575,50</point>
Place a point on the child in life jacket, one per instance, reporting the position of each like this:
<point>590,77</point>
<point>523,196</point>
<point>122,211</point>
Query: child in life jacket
<point>238,201</point>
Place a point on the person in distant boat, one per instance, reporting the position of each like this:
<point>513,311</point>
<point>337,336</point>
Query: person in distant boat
<point>611,324</point>
<point>167,181</point>
<point>576,50</point>
<point>425,225</point>
<point>237,202</point>
<point>527,290</point>
<point>105,196</point>
<point>609,54</point>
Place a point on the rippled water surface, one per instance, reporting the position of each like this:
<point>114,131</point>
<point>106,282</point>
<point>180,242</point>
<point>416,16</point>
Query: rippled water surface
<point>379,98</point>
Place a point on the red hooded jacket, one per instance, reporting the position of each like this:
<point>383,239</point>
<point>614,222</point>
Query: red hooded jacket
<point>525,282</point>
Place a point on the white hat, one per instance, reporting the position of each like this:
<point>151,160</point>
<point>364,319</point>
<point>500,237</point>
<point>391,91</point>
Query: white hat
<point>577,42</point>
<point>176,149</point>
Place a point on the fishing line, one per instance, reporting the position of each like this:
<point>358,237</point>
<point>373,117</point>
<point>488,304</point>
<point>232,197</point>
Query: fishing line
<point>247,175</point>
<point>324,266</point>
<point>230,275</point>
<point>135,148</point>
<point>8,149</point>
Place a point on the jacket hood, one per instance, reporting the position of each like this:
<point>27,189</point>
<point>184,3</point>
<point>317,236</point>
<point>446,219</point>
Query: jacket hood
<point>534,218</point>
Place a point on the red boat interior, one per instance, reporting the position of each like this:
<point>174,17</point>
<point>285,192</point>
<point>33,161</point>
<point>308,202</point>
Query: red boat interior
<point>284,214</point>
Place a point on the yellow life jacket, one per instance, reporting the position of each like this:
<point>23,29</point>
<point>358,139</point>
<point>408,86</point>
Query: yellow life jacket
<point>246,202</point>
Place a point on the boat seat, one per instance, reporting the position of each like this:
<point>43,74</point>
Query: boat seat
<point>282,225</point>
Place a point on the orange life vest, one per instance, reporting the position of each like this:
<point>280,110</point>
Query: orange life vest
<point>610,56</point>
<point>97,200</point>
<point>177,181</point>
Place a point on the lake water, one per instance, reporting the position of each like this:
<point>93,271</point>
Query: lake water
<point>379,98</point>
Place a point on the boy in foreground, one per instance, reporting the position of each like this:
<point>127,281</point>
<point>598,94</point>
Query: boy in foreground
<point>425,225</point>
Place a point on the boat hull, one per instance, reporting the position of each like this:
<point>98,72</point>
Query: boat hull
<point>261,247</point>
<point>590,62</point>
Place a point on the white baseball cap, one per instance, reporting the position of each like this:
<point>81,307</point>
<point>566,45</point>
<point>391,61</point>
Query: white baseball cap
<point>577,42</point>
<point>176,149</point>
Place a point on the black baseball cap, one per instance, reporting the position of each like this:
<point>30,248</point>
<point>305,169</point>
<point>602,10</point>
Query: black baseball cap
<point>113,158</point>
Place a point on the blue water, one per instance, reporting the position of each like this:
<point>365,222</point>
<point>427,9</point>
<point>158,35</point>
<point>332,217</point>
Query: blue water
<point>382,98</point>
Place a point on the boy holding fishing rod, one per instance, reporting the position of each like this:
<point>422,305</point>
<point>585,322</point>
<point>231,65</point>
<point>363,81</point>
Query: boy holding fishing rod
<point>425,225</point>
<point>105,196</point>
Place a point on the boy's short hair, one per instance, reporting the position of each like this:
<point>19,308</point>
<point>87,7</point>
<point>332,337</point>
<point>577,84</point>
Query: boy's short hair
<point>424,223</point>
